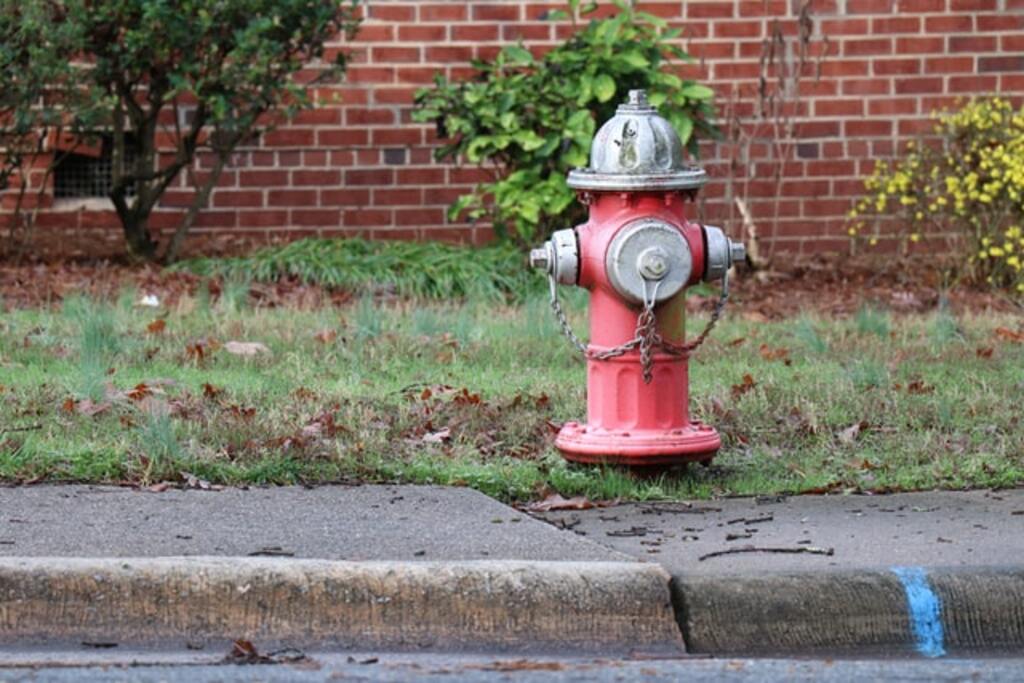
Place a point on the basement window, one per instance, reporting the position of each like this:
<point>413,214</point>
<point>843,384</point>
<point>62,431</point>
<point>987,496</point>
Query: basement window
<point>86,170</point>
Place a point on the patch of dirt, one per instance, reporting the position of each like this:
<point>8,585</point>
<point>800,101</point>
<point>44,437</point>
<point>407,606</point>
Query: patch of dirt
<point>44,284</point>
<point>826,284</point>
<point>839,285</point>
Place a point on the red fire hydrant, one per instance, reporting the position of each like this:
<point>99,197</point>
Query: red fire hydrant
<point>636,254</point>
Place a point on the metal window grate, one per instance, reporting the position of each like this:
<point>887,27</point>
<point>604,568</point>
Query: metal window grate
<point>79,175</point>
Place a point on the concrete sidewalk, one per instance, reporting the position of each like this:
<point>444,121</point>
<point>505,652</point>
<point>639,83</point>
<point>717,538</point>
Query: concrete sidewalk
<point>356,523</point>
<point>415,568</point>
<point>938,529</point>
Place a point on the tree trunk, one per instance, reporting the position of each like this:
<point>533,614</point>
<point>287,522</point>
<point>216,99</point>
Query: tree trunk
<point>135,212</point>
<point>199,202</point>
<point>133,222</point>
<point>141,246</point>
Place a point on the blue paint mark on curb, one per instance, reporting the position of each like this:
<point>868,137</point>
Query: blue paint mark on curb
<point>925,610</point>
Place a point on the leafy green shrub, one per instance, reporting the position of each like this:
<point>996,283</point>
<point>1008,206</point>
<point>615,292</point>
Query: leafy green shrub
<point>971,186</point>
<point>413,269</point>
<point>32,73</point>
<point>171,78</point>
<point>25,60</point>
<point>529,120</point>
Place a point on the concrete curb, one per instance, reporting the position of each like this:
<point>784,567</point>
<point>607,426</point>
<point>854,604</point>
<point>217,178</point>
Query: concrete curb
<point>931,612</point>
<point>508,606</point>
<point>595,607</point>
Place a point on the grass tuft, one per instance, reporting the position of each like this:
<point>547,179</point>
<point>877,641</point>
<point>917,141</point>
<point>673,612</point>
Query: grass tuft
<point>872,320</point>
<point>98,344</point>
<point>945,329</point>
<point>158,433</point>
<point>807,334</point>
<point>430,270</point>
<point>234,295</point>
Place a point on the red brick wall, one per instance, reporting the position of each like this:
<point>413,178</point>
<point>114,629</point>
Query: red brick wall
<point>361,166</point>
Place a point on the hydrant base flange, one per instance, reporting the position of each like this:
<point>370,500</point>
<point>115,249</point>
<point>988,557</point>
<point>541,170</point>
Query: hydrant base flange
<point>696,443</point>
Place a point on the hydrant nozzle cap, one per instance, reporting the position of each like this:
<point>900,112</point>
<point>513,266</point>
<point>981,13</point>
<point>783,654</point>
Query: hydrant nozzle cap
<point>737,252</point>
<point>636,150</point>
<point>540,259</point>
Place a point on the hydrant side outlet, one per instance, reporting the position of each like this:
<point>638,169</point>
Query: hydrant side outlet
<point>648,259</point>
<point>636,255</point>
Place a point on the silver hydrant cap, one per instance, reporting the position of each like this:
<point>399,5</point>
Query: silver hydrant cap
<point>637,149</point>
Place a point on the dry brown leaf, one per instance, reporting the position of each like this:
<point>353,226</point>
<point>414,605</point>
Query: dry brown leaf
<point>89,408</point>
<point>244,652</point>
<point>984,352</point>
<point>864,464</point>
<point>556,501</point>
<point>769,354</point>
<point>247,349</point>
<point>756,317</point>
<point>323,425</point>
<point>199,350</point>
<point>822,490</point>
<point>326,336</point>
<point>850,434</point>
<point>304,394</point>
<point>798,421</point>
<point>439,436</point>
<point>1009,335</point>
<point>242,412</point>
<point>139,392</point>
<point>463,397</point>
<point>743,387</point>
<point>157,326</point>
<point>918,386</point>
<point>194,482</point>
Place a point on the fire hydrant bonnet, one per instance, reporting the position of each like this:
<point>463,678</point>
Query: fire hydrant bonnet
<point>637,150</point>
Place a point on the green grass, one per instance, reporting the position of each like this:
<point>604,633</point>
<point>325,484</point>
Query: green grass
<point>466,394</point>
<point>430,270</point>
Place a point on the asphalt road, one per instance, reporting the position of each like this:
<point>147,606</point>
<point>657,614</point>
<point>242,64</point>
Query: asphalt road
<point>392,668</point>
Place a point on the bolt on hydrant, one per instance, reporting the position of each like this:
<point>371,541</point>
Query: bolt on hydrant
<point>636,254</point>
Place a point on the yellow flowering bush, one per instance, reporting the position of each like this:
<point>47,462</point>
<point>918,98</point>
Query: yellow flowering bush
<point>969,186</point>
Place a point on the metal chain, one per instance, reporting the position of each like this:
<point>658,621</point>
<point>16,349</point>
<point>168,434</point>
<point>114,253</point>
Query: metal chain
<point>647,331</point>
<point>646,338</point>
<point>556,306</point>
